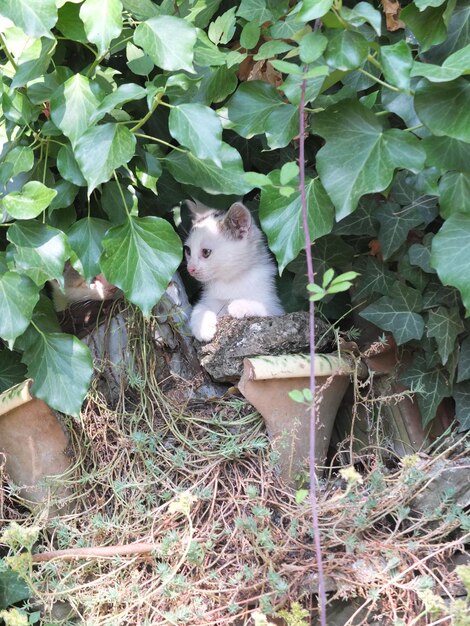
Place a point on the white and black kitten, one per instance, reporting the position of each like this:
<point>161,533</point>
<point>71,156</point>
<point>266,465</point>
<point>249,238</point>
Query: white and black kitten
<point>227,253</point>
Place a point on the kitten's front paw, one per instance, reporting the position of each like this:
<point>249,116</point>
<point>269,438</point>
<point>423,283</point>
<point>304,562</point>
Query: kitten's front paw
<point>246,308</point>
<point>204,325</point>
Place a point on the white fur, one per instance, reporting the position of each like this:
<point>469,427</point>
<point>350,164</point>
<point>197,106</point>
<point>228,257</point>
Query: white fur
<point>238,276</point>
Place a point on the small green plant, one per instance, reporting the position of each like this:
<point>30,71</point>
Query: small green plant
<point>331,285</point>
<point>15,571</point>
<point>295,616</point>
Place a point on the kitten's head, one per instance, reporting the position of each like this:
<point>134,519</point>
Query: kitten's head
<point>76,289</point>
<point>221,245</point>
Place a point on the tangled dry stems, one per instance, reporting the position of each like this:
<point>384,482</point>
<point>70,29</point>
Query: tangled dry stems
<point>199,483</point>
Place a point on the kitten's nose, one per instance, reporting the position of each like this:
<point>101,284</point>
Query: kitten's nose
<point>191,269</point>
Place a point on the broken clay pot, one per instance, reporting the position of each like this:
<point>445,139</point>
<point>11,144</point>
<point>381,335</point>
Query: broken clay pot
<point>34,445</point>
<point>266,383</point>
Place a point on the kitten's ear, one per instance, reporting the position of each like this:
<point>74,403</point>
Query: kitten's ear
<point>238,220</point>
<point>192,206</point>
<point>198,209</point>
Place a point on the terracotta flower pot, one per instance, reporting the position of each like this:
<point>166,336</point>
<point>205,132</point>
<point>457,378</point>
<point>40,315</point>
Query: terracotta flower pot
<point>34,444</point>
<point>266,383</point>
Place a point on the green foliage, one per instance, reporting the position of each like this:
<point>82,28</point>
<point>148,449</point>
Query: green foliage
<point>115,111</point>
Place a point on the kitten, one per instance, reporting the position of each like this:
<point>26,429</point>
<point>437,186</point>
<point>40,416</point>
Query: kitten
<point>227,253</point>
<point>78,291</point>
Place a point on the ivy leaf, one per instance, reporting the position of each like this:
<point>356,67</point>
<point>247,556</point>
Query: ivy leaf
<point>311,9</point>
<point>402,104</point>
<point>457,35</point>
<point>445,107</point>
<point>12,372</point>
<point>137,61</point>
<point>17,108</point>
<point>282,127</point>
<point>148,169</point>
<point>412,274</point>
<point>141,9</point>
<point>361,13</point>
<point>424,4</point>
<point>374,277</point>
<point>61,366</point>
<point>228,179</point>
<point>256,108</point>
<point>103,22</point>
<point>370,154</point>
<point>281,218</point>
<point>198,128</point>
<point>140,257</point>
<point>250,35</point>
<point>18,297</point>
<point>269,49</point>
<point>101,150</point>
<point>68,166</point>
<point>395,224</point>
<point>255,10</point>
<point>463,372</point>
<point>13,589</point>
<point>129,92</point>
<point>35,17</point>
<point>450,256</point>
<point>428,27</point>
<point>66,194</point>
<point>453,67</point>
<point>397,313</point>
<point>436,294</point>
<point>461,394</point>
<point>169,41</point>
<point>447,153</point>
<point>70,24</point>
<point>396,63</point>
<point>312,46</point>
<point>430,387</point>
<point>222,29</point>
<point>330,251</point>
<point>347,50</point>
<point>18,159</point>
<point>411,191</point>
<point>72,106</point>
<point>207,54</point>
<point>32,200</point>
<point>421,256</point>
<point>444,325</point>
<point>33,62</point>
<point>86,238</point>
<point>362,222</point>
<point>40,250</point>
<point>455,193</point>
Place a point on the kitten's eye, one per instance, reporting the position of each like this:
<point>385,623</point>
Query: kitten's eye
<point>187,250</point>
<point>206,252</point>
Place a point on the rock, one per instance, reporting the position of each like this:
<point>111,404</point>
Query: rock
<point>236,339</point>
<point>449,481</point>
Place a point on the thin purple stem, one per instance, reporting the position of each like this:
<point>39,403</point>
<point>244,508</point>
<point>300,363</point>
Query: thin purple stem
<point>310,275</point>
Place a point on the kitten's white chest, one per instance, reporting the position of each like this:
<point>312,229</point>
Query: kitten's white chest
<point>248,285</point>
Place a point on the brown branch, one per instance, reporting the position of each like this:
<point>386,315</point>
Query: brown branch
<point>97,552</point>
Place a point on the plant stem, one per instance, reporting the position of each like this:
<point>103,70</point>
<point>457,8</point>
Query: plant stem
<point>156,102</point>
<point>378,80</point>
<point>165,143</point>
<point>310,274</point>
<point>7,52</point>
<point>95,63</point>
<point>412,128</point>
<point>122,195</point>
